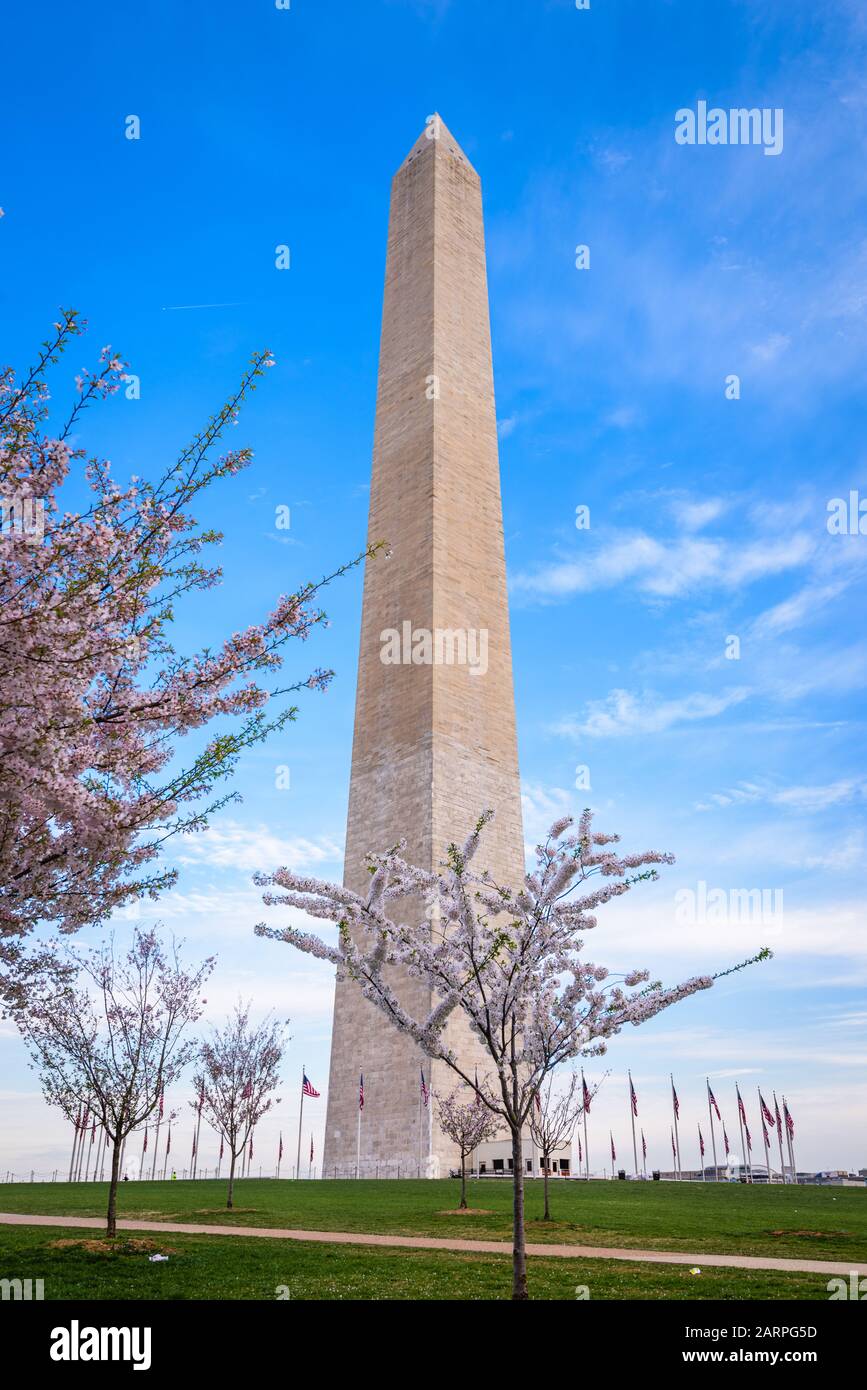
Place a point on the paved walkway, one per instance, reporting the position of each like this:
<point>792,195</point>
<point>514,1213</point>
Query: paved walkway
<point>475,1247</point>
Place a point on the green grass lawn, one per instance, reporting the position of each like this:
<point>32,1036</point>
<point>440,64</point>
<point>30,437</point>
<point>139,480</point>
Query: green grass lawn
<point>823,1223</point>
<point>239,1267</point>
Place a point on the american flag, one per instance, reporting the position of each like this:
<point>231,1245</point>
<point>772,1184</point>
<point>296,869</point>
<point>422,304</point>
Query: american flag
<point>778,1116</point>
<point>580,1154</point>
<point>280,1150</point>
<point>194,1145</point>
<point>587,1096</point>
<point>202,1096</point>
<point>673,1149</point>
<point>675,1102</point>
<point>749,1137</point>
<point>701,1141</point>
<point>93,1132</point>
<point>162,1101</point>
<point>308,1089</point>
<point>766,1113</point>
<point>632,1096</point>
<point>221,1148</point>
<point>726,1141</point>
<point>478,1097</point>
<point>613,1150</point>
<point>712,1098</point>
<point>251,1147</point>
<point>790,1123</point>
<point>643,1145</point>
<point>424,1090</point>
<point>311,1148</point>
<point>741,1111</point>
<point>145,1145</point>
<point>169,1143</point>
<point>765,1132</point>
<point>361,1091</point>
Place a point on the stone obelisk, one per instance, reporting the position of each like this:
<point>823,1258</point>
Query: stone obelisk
<point>434,736</point>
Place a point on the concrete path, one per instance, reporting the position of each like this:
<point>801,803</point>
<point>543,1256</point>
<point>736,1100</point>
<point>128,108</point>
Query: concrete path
<point>474,1247</point>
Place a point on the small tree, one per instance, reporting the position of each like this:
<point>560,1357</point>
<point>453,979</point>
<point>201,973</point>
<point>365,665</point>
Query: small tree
<point>468,1123</point>
<point>553,1119</point>
<point>508,960</point>
<point>117,1041</point>
<point>237,1074</point>
<point>95,697</point>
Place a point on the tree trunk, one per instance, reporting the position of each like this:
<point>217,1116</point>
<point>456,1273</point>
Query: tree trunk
<point>519,1255</point>
<point>547,1216</point>
<point>111,1215</point>
<point>463,1205</point>
<point>231,1180</point>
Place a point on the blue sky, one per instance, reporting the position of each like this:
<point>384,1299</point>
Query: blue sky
<point>708,515</point>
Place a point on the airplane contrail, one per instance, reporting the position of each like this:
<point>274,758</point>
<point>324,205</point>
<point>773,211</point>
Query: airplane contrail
<point>229,304</point>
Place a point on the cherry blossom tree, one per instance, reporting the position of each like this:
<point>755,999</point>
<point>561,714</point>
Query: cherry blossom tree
<point>238,1072</point>
<point>95,698</point>
<point>464,1118</point>
<point>510,960</point>
<point>111,1038</point>
<point>552,1121</point>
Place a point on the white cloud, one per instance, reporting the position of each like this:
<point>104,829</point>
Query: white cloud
<point>541,806</point>
<point>622,713</point>
<point>799,608</point>
<point>670,568</point>
<point>228,844</point>
<point>797,798</point>
<point>693,515</point>
<point>848,855</point>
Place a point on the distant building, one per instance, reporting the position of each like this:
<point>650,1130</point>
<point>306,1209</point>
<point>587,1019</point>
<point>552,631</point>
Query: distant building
<point>495,1157</point>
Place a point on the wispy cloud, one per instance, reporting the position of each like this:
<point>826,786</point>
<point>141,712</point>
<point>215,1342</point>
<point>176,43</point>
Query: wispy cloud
<point>666,569</point>
<point>230,844</point>
<point>623,714</point>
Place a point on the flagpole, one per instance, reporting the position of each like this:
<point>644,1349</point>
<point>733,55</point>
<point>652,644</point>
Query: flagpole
<point>586,1149</point>
<point>789,1143</point>
<point>779,1127</point>
<point>157,1138</point>
<point>741,1127</point>
<point>764,1132</point>
<point>90,1150</point>
<point>167,1151</point>
<point>643,1154</point>
<point>712,1135</point>
<point>74,1145</point>
<point>632,1113</point>
<point>676,1135</point>
<point>81,1145</point>
<point>195,1163</point>
<point>99,1147</point>
<point>419,1126</point>
<point>358,1139</point>
<point>300,1118</point>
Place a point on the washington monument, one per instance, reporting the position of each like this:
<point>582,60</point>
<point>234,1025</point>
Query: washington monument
<point>434,739</point>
